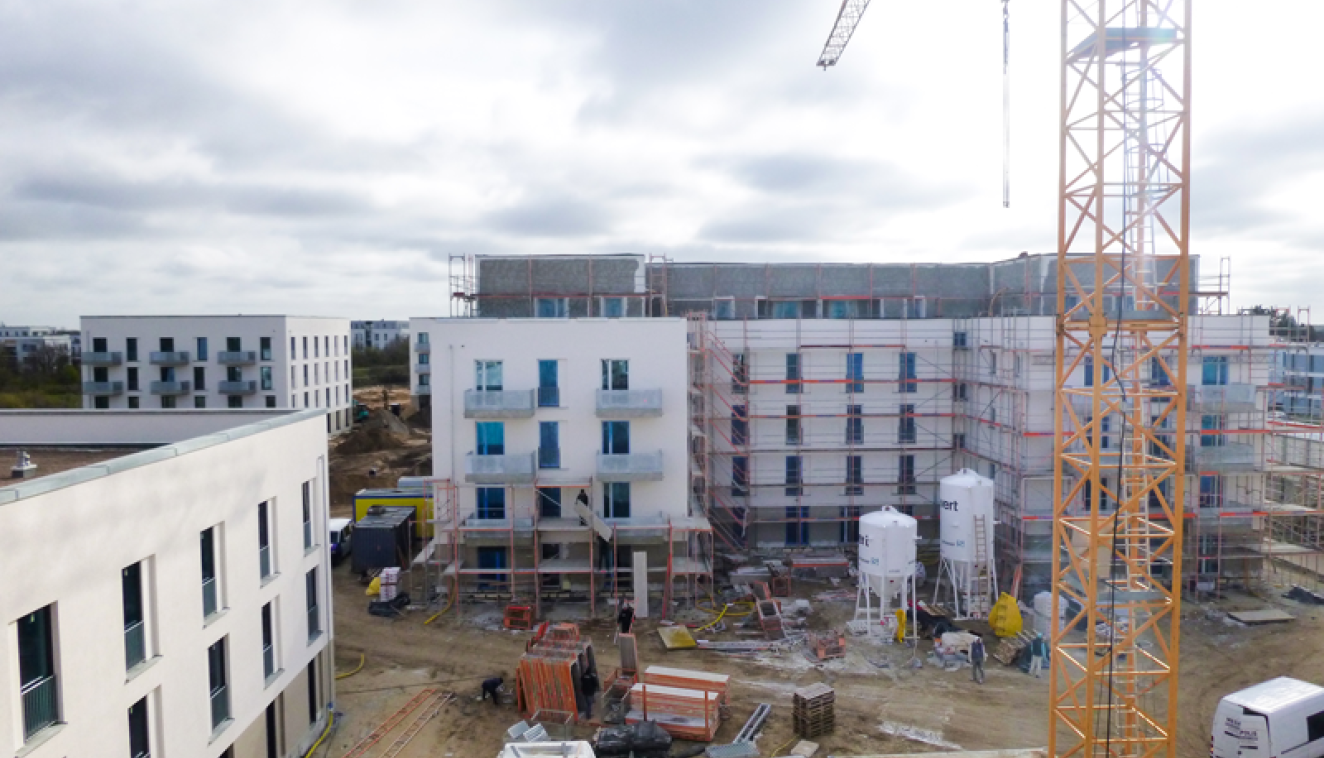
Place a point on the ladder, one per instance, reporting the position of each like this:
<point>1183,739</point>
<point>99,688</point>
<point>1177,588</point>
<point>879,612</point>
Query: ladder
<point>977,602</point>
<point>366,744</point>
<point>423,718</point>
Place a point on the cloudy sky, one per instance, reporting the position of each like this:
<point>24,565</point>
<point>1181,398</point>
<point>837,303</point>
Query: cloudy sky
<point>328,157</point>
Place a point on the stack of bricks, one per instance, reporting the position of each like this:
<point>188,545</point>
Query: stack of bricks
<point>813,710</point>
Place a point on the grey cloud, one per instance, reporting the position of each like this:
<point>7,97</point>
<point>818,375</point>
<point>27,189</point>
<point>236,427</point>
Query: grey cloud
<point>551,216</point>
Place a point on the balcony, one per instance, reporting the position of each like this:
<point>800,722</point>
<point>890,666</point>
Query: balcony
<point>1221,398</point>
<point>236,357</point>
<point>423,389</point>
<point>629,403</point>
<point>1226,458</point>
<point>40,706</point>
<point>135,644</point>
<point>422,347</point>
<point>498,403</point>
<point>171,388</point>
<point>630,467</point>
<point>103,359</point>
<point>516,468</point>
<point>103,388</point>
<point>171,358</point>
<point>549,397</point>
<point>423,368</point>
<point>241,387</point>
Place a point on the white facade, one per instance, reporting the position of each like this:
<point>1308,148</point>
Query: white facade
<point>79,668</point>
<point>378,334</point>
<point>20,343</point>
<point>283,362</point>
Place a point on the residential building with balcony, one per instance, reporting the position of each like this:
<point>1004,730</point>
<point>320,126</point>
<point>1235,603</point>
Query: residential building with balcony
<point>377,334</point>
<point>173,601</point>
<point>20,345</point>
<point>234,362</point>
<point>559,452</point>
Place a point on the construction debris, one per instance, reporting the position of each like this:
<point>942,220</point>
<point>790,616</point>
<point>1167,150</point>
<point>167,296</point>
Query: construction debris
<point>645,739</point>
<point>814,710</point>
<point>826,645</point>
<point>804,749</point>
<point>1303,595</point>
<point>754,724</point>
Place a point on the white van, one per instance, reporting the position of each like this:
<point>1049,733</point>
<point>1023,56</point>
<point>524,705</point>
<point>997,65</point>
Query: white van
<point>342,538</point>
<point>1280,718</point>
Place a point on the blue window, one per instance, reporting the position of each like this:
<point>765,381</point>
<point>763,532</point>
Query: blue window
<point>854,424</point>
<point>616,437</point>
<point>1211,491</point>
<point>793,472</point>
<point>487,376</point>
<point>740,476</point>
<point>786,309</point>
<point>549,502</point>
<point>855,372</point>
<point>491,437</point>
<point>905,433</point>
<point>1214,370</point>
<point>1158,377</point>
<point>613,307</point>
<point>615,374</point>
<point>739,425</point>
<point>202,348</point>
<point>549,390</point>
<point>797,530</point>
<point>492,558</point>
<point>552,307</point>
<point>616,500</point>
<point>491,503</point>
<point>549,444</point>
<point>841,309</point>
<point>1089,371</point>
<point>854,475</point>
<point>1212,424</point>
<point>907,373</point>
<point>724,308</point>
<point>793,374</point>
<point>906,474</point>
<point>959,340</point>
<point>850,524</point>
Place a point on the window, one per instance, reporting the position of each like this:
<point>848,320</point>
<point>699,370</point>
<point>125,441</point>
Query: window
<point>131,348</point>
<point>549,444</point>
<point>959,341</point>
<point>268,643</point>
<point>133,403</point>
<point>422,338</point>
<point>305,375</point>
<point>265,373</point>
<point>1089,371</point>
<point>487,376</point>
<point>906,373</point>
<point>739,425</point>
<point>133,378</point>
<point>264,348</point>
<point>612,307</point>
<point>199,378</point>
<point>905,432</point>
<point>616,437</point>
<point>314,707</point>
<point>854,475</point>
<point>549,390</point>
<point>234,401</point>
<point>491,558</point>
<point>793,377</point>
<point>855,372</point>
<point>549,502</point>
<point>792,424</point>
<point>135,630</point>
<point>1214,370</point>
<point>616,500</point>
<point>797,529</point>
<point>739,374</point>
<point>294,348</point>
<point>552,307</point>
<point>1211,492</point>
<point>99,345</point>
<point>854,424</point>
<point>992,363</point>
<point>491,437</point>
<point>305,348</point>
<point>217,676</point>
<point>850,524</point>
<point>842,309</point>
<point>308,515</point>
<point>167,344</point>
<point>36,671</point>
<point>424,359</point>
<point>1212,427</point>
<point>202,348</point>
<point>317,353</point>
<point>306,402</point>
<point>199,401</point>
<point>210,585</point>
<point>740,476</point>
<point>139,745</point>
<point>906,475</point>
<point>168,401</point>
<point>958,441</point>
<point>425,380</point>
<point>491,503</point>
<point>615,374</point>
<point>793,472</point>
<point>265,559</point>
<point>1315,727</point>
<point>724,308</point>
<point>310,593</point>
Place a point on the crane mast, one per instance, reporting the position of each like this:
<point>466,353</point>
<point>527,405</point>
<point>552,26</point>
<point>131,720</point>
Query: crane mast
<point>847,19</point>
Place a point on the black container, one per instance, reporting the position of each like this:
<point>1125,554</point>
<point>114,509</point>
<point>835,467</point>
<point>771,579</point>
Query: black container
<point>382,538</point>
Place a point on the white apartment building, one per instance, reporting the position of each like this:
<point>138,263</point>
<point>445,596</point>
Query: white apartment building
<point>378,334</point>
<point>528,417</point>
<point>20,343</point>
<point>283,362</point>
<point>173,601</point>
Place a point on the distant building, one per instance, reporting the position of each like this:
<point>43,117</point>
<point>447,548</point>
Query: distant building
<point>19,344</point>
<point>378,334</point>
<point>282,362</point>
<point>171,601</point>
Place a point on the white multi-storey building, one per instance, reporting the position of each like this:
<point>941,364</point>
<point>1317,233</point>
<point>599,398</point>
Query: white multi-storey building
<point>19,344</point>
<point>561,450</point>
<point>173,601</point>
<point>378,334</point>
<point>284,362</point>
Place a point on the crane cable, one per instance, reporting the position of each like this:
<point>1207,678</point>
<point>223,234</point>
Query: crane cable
<point>1006,104</point>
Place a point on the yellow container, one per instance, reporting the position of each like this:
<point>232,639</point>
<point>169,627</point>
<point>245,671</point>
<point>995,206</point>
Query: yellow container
<point>365,499</point>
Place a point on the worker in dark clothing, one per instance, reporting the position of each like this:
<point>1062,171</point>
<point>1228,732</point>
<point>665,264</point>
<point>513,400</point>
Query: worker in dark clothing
<point>589,685</point>
<point>492,687</point>
<point>625,618</point>
<point>977,656</point>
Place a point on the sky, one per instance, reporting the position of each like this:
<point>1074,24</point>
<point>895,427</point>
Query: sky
<point>329,157</point>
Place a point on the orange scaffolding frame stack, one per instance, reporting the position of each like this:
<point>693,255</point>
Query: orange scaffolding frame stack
<point>549,672</point>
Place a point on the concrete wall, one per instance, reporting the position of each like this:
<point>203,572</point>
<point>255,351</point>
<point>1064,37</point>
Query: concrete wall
<point>122,427</point>
<point>71,535</point>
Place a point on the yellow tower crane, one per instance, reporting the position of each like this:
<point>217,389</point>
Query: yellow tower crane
<point>1123,295</point>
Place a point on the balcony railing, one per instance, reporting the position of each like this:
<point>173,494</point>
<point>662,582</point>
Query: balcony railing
<point>209,597</point>
<point>103,388</point>
<point>307,535</point>
<point>499,469</point>
<point>1222,398</point>
<point>314,623</point>
<point>423,389</point>
<point>423,368</point>
<point>498,403</point>
<point>220,706</point>
<point>169,358</point>
<point>1231,456</point>
<point>171,388</point>
<point>268,660</point>
<point>135,644</point>
<point>41,706</point>
<point>629,403</point>
<point>264,561</point>
<point>631,467</point>
<point>240,387</point>
<point>549,397</point>
<point>236,357</point>
<point>422,347</point>
<point>102,359</point>
<point>549,457</point>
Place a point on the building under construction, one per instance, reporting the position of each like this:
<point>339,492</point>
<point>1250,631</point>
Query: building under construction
<point>818,392</point>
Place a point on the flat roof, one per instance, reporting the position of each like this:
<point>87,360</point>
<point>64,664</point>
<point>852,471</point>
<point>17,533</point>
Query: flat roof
<point>54,460</point>
<point>221,315</point>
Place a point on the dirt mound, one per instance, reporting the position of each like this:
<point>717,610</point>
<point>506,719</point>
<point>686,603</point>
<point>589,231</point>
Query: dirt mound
<point>369,439</point>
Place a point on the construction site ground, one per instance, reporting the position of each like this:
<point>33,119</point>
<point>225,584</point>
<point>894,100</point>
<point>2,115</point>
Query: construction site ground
<point>892,709</point>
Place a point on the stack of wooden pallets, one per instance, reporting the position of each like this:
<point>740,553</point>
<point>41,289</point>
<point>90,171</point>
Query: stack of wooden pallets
<point>684,713</point>
<point>814,710</point>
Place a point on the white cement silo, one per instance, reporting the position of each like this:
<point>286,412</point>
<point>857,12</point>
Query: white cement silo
<point>887,566</point>
<point>966,530</point>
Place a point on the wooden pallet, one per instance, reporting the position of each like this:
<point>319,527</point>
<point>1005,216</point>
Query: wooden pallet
<point>1010,647</point>
<point>813,710</point>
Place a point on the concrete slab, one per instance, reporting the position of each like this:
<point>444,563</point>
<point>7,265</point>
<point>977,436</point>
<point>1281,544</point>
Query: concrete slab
<point>1266,616</point>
